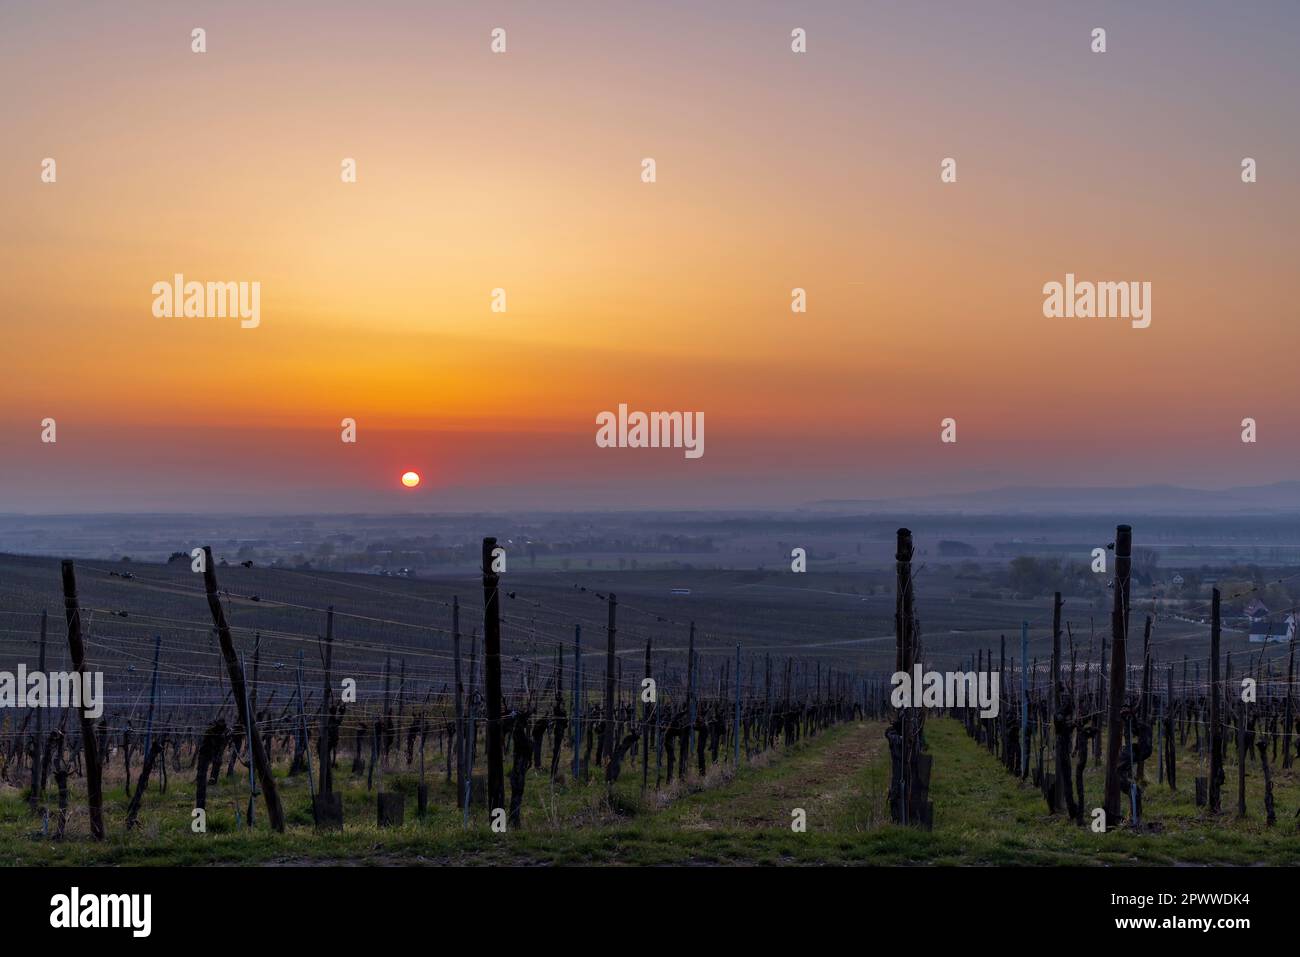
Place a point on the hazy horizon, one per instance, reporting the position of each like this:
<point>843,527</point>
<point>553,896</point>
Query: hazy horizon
<point>1165,499</point>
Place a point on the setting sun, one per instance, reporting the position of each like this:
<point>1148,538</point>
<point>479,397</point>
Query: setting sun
<point>410,479</point>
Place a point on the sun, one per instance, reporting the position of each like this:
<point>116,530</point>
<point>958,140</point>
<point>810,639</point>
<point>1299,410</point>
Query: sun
<point>410,479</point>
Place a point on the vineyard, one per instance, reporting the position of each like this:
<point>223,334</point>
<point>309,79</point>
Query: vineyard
<point>258,714</point>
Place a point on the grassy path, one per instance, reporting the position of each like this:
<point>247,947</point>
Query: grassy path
<point>985,816</point>
<point>741,819</point>
<point>825,778</point>
<point>838,778</point>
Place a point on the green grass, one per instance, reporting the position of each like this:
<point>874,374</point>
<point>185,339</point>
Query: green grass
<point>838,778</point>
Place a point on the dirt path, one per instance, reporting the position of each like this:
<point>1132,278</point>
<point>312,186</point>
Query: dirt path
<point>829,778</point>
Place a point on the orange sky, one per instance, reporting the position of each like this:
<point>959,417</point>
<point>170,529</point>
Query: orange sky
<point>521,171</point>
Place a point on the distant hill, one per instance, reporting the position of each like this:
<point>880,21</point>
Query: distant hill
<point>1139,499</point>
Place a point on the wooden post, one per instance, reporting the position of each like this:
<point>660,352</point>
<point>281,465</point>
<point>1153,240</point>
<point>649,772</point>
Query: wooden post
<point>645,724</point>
<point>236,674</point>
<point>767,699</point>
<point>736,729</point>
<point>1187,698</point>
<point>302,729</point>
<point>690,698</point>
<point>1216,748</point>
<point>1060,761</point>
<point>134,808</point>
<point>1118,669</point>
<point>1135,817</point>
<point>89,743</point>
<point>607,746</point>
<point>1024,700</point>
<point>1287,715</point>
<point>250,728</point>
<point>578,710</point>
<point>1171,756</point>
<point>257,658</point>
<point>326,771</point>
<point>1003,692</point>
<point>492,679</point>
<point>471,729</point>
<point>460,743</point>
<point>1242,753</point>
<point>386,715</point>
<point>909,769</point>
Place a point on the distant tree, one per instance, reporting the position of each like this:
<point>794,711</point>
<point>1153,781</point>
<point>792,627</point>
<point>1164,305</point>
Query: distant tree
<point>952,549</point>
<point>1034,576</point>
<point>1145,562</point>
<point>1236,594</point>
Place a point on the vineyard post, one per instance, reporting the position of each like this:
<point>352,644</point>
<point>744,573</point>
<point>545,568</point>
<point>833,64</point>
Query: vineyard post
<point>1024,700</point>
<point>690,696</point>
<point>1287,720</point>
<point>1103,674</point>
<point>471,728</point>
<point>736,730</point>
<point>577,702</point>
<point>492,678</point>
<point>608,736</point>
<point>1182,711</point>
<point>239,690</point>
<point>1062,761</point>
<point>1134,817</point>
<point>1118,670</point>
<point>1157,739</point>
<point>1171,759</point>
<point>381,725</point>
<point>1003,692</point>
<point>143,783</point>
<point>906,773</point>
<point>250,732</point>
<point>645,725</point>
<point>767,696</point>
<point>1242,754</point>
<point>257,657</point>
<point>153,696</point>
<point>302,723</point>
<point>401,704</point>
<point>459,727</point>
<point>1216,749</point>
<point>89,744</point>
<point>40,723</point>
<point>326,772</point>
<point>659,746</point>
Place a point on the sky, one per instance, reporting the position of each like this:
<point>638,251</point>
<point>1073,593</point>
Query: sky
<point>522,171</point>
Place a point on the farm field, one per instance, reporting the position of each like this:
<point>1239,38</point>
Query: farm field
<point>789,681</point>
<point>839,778</point>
